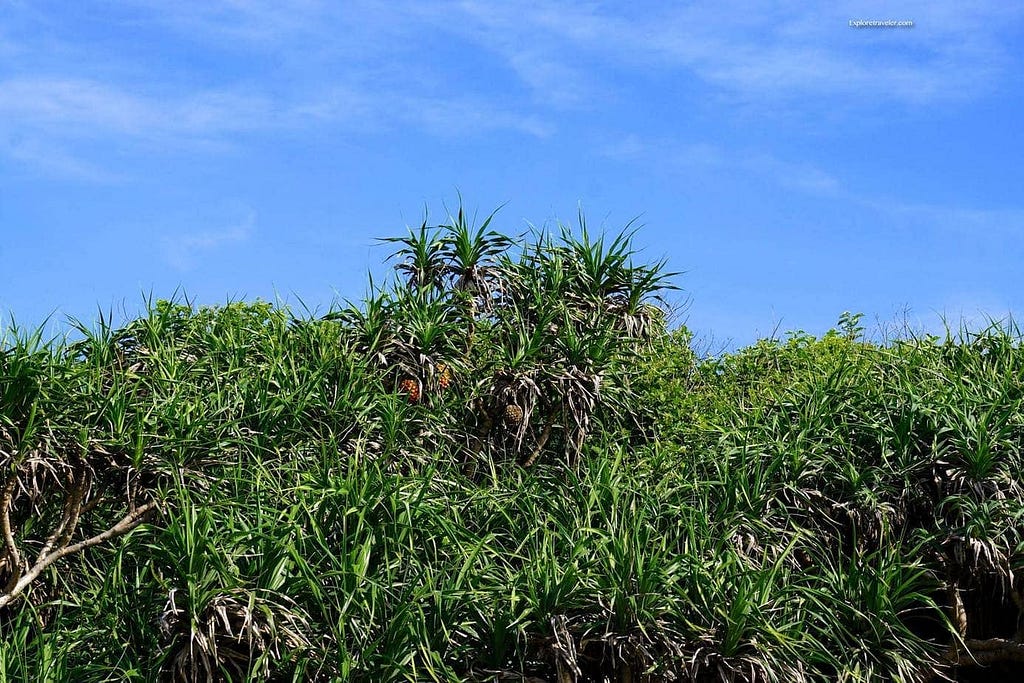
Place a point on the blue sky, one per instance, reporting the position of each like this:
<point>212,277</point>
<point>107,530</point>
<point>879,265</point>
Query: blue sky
<point>793,166</point>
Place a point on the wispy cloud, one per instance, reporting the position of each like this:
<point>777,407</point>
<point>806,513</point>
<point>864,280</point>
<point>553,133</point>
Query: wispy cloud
<point>362,66</point>
<point>54,124</point>
<point>783,50</point>
<point>348,69</point>
<point>979,222</point>
<point>800,176</point>
<point>184,251</point>
<point>240,21</point>
<point>457,116</point>
<point>531,50</point>
<point>53,160</point>
<point>83,108</point>
<point>58,113</point>
<point>813,180</point>
<point>440,115</point>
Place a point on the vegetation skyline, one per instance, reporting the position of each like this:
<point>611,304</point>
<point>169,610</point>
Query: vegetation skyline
<point>502,465</point>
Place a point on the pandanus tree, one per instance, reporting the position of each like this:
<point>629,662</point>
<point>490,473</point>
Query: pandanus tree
<point>591,308</point>
<point>455,261</point>
<point>470,255</point>
<point>541,326</point>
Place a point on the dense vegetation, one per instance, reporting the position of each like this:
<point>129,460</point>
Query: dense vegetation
<point>503,465</point>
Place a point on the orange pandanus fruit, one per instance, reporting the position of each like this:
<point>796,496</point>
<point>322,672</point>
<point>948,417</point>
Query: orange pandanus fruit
<point>444,376</point>
<point>411,388</point>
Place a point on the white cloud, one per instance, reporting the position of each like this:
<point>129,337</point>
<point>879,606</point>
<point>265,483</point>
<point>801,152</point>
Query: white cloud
<point>56,161</point>
<point>363,66</point>
<point>454,116</point>
<point>979,222</point>
<point>83,108</point>
<point>782,50</point>
<point>810,179</point>
<point>70,101</point>
<point>184,251</point>
<point>58,113</point>
<point>53,124</point>
<point>348,69</point>
<point>246,21</point>
<point>629,148</point>
<point>800,176</point>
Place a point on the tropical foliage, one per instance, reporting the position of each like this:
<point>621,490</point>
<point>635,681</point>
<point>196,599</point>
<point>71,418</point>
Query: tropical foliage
<point>504,464</point>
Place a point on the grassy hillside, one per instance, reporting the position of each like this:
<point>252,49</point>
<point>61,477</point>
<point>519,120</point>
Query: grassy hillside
<point>502,465</point>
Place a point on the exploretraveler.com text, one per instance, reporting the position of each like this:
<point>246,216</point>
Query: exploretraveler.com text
<point>881,23</point>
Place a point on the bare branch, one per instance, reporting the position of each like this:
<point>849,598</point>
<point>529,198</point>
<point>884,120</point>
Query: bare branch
<point>541,442</point>
<point>958,615</point>
<point>127,523</point>
<point>987,651</point>
<point>69,516</point>
<point>13,557</point>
